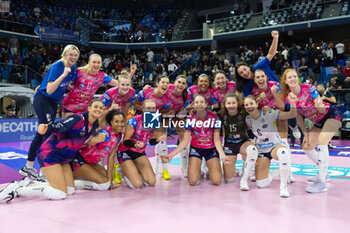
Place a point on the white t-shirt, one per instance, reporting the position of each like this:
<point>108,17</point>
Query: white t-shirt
<point>150,56</point>
<point>265,129</point>
<point>172,67</point>
<point>340,48</point>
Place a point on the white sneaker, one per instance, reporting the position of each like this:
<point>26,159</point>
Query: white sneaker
<point>296,131</point>
<point>317,187</point>
<point>244,185</point>
<point>204,170</point>
<point>291,178</point>
<point>284,191</point>
<point>9,192</point>
<point>314,178</point>
<point>252,178</point>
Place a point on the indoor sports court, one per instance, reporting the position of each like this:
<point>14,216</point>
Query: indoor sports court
<point>77,77</point>
<point>173,206</point>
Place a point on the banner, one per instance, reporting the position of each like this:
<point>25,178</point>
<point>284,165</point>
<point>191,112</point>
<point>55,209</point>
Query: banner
<point>148,20</point>
<point>58,34</point>
<point>4,6</point>
<point>15,130</point>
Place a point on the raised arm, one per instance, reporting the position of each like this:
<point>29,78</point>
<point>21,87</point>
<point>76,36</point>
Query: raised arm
<point>274,44</point>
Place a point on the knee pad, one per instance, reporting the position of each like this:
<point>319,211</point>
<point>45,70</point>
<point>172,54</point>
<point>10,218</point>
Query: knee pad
<point>104,186</point>
<point>70,190</point>
<point>54,194</point>
<point>263,183</point>
<point>283,157</point>
<point>252,152</point>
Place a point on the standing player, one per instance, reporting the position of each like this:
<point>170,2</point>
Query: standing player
<point>326,117</point>
<point>136,167</point>
<point>122,96</point>
<point>204,128</point>
<point>203,88</point>
<point>269,143</point>
<point>48,96</point>
<point>244,73</point>
<point>55,154</point>
<point>90,78</point>
<point>222,86</point>
<point>267,93</point>
<point>105,142</point>
<point>236,140</point>
<point>163,104</point>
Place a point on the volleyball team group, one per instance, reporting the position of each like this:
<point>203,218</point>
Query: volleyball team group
<point>247,117</point>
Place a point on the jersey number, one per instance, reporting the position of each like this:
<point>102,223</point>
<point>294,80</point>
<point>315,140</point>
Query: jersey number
<point>259,132</point>
<point>233,128</point>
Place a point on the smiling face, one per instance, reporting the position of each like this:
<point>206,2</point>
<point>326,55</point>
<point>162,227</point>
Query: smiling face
<point>292,79</point>
<point>163,85</point>
<point>245,72</point>
<point>95,109</point>
<point>95,62</point>
<point>180,84</point>
<point>118,123</point>
<point>231,105</point>
<point>124,85</point>
<point>149,106</point>
<point>250,105</point>
<point>220,80</point>
<point>203,83</point>
<point>260,79</point>
<point>200,103</point>
<point>71,57</point>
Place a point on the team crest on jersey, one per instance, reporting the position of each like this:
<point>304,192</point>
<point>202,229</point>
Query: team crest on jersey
<point>82,85</point>
<point>264,126</point>
<point>97,83</point>
<point>308,100</point>
<point>107,148</point>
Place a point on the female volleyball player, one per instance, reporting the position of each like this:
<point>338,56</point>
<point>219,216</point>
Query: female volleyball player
<point>48,96</point>
<point>56,153</point>
<point>326,118</point>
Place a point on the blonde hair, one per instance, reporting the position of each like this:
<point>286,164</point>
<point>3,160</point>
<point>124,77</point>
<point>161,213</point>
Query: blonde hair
<point>66,50</point>
<point>87,68</point>
<point>124,75</point>
<point>284,85</point>
<point>146,102</point>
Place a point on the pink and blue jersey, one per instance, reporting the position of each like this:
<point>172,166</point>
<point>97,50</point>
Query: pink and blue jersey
<point>112,96</point>
<point>84,89</point>
<point>269,101</point>
<point>194,91</point>
<point>177,102</point>
<point>305,103</point>
<point>140,134</point>
<point>203,130</point>
<point>54,72</point>
<point>93,154</point>
<point>161,102</point>
<point>67,137</point>
<point>219,95</point>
